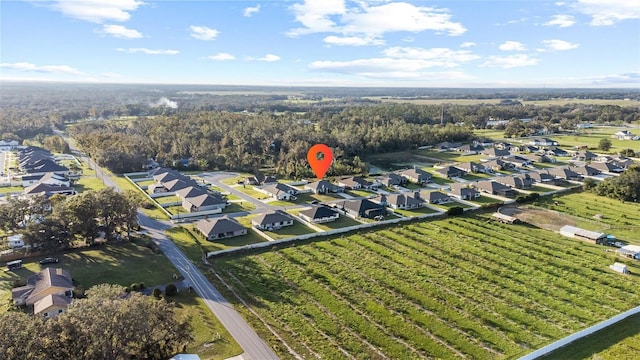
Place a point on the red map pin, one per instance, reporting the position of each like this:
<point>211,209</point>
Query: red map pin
<point>320,166</point>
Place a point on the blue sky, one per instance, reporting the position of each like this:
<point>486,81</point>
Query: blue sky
<point>575,43</point>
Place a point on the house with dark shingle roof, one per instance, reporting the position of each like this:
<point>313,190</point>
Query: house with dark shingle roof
<point>191,191</point>
<point>607,167</point>
<point>271,221</point>
<point>319,214</point>
<point>279,191</point>
<point>463,192</point>
<point>435,197</point>
<point>392,180</point>
<point>541,177</point>
<point>323,187</point>
<point>220,228</point>
<point>469,149</point>
<point>516,182</point>
<point>498,165</point>
<point>583,156</point>
<point>261,179</point>
<point>586,170</point>
<point>48,190</point>
<point>356,182</point>
<point>402,201</point>
<point>565,173</point>
<point>495,188</point>
<point>416,175</point>
<point>472,167</point>
<point>204,202</point>
<point>451,172</point>
<point>495,153</point>
<point>363,208</point>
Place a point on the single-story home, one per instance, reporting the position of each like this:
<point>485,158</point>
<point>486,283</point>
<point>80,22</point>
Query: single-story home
<point>473,167</point>
<point>418,176</point>
<point>607,167</point>
<point>41,287</point>
<point>586,170</point>
<point>271,221</point>
<point>543,142</point>
<point>323,187</point>
<point>495,152</point>
<point>319,214</point>
<point>564,173</point>
<point>204,202</point>
<point>279,191</point>
<point>363,208</point>
<point>515,181</point>
<point>356,182</point>
<point>498,165</point>
<point>495,188</point>
<point>541,177</point>
<point>220,228</point>
<point>392,179</point>
<point>436,197</point>
<point>583,156</point>
<point>48,190</point>
<point>451,172</point>
<point>625,135</point>
<point>401,201</point>
<point>15,241</point>
<point>463,192</point>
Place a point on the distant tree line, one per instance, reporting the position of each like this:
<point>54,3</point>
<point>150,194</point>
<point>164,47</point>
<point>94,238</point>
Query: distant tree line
<point>248,142</point>
<point>58,221</point>
<point>106,325</point>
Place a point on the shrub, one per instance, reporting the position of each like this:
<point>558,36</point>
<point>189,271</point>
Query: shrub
<point>171,290</point>
<point>134,287</point>
<point>456,210</point>
<point>533,197</point>
<point>520,199</point>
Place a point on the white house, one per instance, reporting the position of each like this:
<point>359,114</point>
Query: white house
<point>15,241</point>
<point>625,135</point>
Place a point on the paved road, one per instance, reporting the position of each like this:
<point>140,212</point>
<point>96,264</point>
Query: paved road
<point>254,347</point>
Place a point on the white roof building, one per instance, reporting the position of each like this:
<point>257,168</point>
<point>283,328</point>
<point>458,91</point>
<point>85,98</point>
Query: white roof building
<point>619,267</point>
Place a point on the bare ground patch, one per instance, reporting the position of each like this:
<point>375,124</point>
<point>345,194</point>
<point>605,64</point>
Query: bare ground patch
<point>542,218</point>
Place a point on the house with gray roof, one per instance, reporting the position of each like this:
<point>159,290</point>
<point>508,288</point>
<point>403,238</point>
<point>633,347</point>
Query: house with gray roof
<point>416,175</point>
<point>364,208</point>
<point>517,182</point>
<point>271,221</point>
<point>451,172</point>
<point>319,214</point>
<point>357,182</point>
<point>279,191</point>
<point>495,188</point>
<point>435,197</point>
<point>204,202</point>
<point>220,228</point>
<point>48,190</point>
<point>49,291</point>
<point>402,201</point>
<point>463,192</point>
<point>323,187</point>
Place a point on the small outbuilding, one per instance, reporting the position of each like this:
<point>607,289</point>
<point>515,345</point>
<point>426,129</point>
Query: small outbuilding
<point>577,233</point>
<point>619,267</point>
<point>504,218</point>
<point>632,251</point>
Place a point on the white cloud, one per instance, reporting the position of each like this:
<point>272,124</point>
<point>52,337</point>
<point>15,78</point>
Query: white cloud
<point>203,33</point>
<point>269,58</point>
<point>608,12</point>
<point>557,45</point>
<point>561,20</point>
<point>97,11</point>
<point>510,61</point>
<point>632,78</point>
<point>353,40</point>
<point>148,51</point>
<point>251,10</point>
<point>111,75</point>
<point>51,69</point>
<point>401,63</point>
<point>221,57</point>
<point>120,31</point>
<point>467,44</point>
<point>511,46</point>
<point>370,20</point>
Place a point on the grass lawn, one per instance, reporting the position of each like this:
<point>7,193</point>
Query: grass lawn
<point>618,341</point>
<point>186,242</point>
<point>473,177</point>
<point>412,186</point>
<point>233,197</point>
<point>539,189</point>
<point>123,183</point>
<point>341,222</point>
<point>359,193</point>
<point>246,220</point>
<point>309,197</point>
<point>155,212</point>
<point>89,182</point>
<point>10,189</point>
<point>248,189</point>
<point>441,181</point>
<point>234,180</point>
<point>450,156</point>
<point>167,199</point>
<point>591,138</point>
<point>239,207</point>
<point>415,212</point>
<point>289,231</point>
<point>215,188</point>
<point>486,200</point>
<point>145,183</point>
<point>193,244</point>
<point>211,339</point>
<point>176,210</point>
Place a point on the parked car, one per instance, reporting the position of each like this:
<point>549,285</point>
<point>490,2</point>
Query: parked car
<point>49,260</point>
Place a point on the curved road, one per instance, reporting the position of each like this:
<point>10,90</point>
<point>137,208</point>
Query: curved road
<point>253,346</point>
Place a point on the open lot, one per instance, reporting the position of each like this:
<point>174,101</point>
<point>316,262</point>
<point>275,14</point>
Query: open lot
<point>289,231</point>
<point>458,287</point>
<point>193,244</point>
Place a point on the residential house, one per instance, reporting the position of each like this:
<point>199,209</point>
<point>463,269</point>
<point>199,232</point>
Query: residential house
<point>607,167</point>
<point>583,156</point>
<point>515,181</point>
<point>401,201</point>
<point>625,135</point>
<point>451,172</point>
<point>484,142</point>
<point>356,182</point>
<point>498,165</point>
<point>469,149</point>
<point>261,179</point>
<point>556,151</point>
<point>363,208</point>
<point>392,180</point>
<point>495,153</point>
<point>502,145</point>
<point>220,228</point>
<point>565,173</point>
<point>15,241</point>
<point>622,162</point>
<point>46,166</point>
<point>435,197</point>
<point>418,176</point>
<point>463,192</point>
<point>48,190</point>
<point>518,161</point>
<point>495,188</point>
<point>323,187</point>
<point>204,202</point>
<point>190,191</point>
<point>280,191</point>
<point>271,221</point>
<point>543,142</point>
<point>540,158</point>
<point>525,148</point>
<point>445,145</point>
<point>319,214</point>
<point>8,145</point>
<point>40,289</point>
<point>586,170</point>
<point>542,177</point>
<point>178,184</point>
<point>472,167</point>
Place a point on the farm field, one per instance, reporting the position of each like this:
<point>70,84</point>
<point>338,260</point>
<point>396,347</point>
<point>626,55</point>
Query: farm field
<point>459,287</point>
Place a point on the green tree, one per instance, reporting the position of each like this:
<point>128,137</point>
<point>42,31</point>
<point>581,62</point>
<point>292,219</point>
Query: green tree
<point>627,152</point>
<point>604,144</point>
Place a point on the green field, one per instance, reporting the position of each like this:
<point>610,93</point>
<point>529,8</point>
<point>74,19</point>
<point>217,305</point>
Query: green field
<point>616,342</point>
<point>551,102</point>
<point>248,189</point>
<point>449,205</point>
<point>484,200</point>
<point>239,207</point>
<point>193,244</point>
<point>618,218</point>
<point>309,197</point>
<point>458,287</point>
<point>289,231</point>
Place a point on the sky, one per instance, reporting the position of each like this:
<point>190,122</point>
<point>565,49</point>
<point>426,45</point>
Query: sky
<point>403,43</point>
